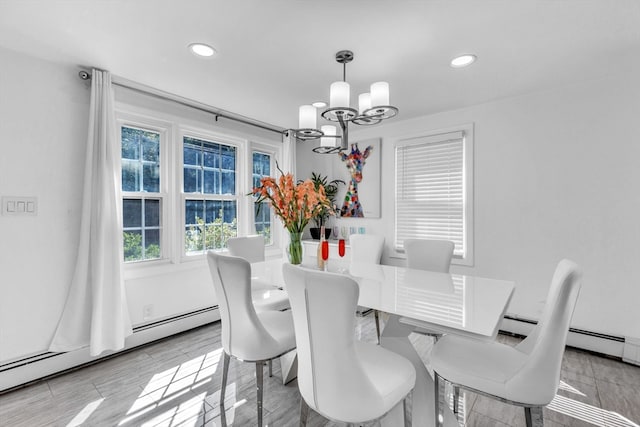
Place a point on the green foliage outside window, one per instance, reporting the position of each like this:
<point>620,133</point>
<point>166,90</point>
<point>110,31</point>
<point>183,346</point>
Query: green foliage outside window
<point>133,248</point>
<point>214,235</point>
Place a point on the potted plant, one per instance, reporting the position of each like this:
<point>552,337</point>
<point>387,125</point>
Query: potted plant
<point>330,191</point>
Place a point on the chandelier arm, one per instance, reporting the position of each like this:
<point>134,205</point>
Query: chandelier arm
<point>344,141</point>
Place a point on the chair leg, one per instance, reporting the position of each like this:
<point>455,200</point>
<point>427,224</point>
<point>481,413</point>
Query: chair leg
<point>406,408</point>
<point>225,372</point>
<point>376,315</point>
<point>439,383</point>
<point>533,416</point>
<point>259,383</point>
<point>456,399</point>
<point>304,412</point>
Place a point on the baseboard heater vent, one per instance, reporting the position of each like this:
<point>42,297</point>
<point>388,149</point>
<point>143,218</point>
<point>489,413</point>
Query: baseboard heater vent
<point>573,330</point>
<point>47,355</point>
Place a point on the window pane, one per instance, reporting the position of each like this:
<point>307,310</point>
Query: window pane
<point>228,157</point>
<point>151,177</point>
<point>211,153</point>
<point>228,183</point>
<point>194,210</point>
<point>132,245</point>
<point>262,168</point>
<point>211,181</point>
<point>132,213</point>
<point>130,143</point>
<point>130,175</point>
<point>152,244</point>
<point>151,149</point>
<point>214,158</point>
<point>140,172</point>
<point>190,154</point>
<point>152,213</point>
<point>191,180</point>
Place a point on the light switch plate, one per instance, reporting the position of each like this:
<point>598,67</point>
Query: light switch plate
<point>19,206</point>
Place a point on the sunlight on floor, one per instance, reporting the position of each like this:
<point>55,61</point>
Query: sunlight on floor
<point>566,387</point>
<point>86,412</point>
<point>174,383</point>
<point>585,412</point>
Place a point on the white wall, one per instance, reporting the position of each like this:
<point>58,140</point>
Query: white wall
<point>43,123</point>
<point>556,175</point>
<point>43,130</point>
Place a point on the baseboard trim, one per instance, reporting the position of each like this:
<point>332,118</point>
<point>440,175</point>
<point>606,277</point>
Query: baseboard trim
<point>605,344</point>
<point>19,373</point>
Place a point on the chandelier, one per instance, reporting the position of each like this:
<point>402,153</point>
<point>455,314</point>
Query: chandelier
<point>373,107</point>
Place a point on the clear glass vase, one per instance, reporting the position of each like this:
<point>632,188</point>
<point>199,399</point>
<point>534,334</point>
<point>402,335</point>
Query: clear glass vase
<point>294,250</point>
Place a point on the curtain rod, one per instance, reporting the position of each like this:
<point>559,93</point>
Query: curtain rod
<point>148,90</point>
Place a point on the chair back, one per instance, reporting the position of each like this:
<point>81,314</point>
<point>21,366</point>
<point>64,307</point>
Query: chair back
<point>324,306</point>
<point>250,248</point>
<point>243,335</point>
<point>366,247</point>
<point>540,376</point>
<point>431,255</point>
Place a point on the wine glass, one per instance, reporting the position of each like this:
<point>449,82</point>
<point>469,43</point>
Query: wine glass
<point>341,247</point>
<point>325,253</point>
<point>336,232</point>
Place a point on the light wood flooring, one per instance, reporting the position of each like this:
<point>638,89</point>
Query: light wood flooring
<point>176,382</point>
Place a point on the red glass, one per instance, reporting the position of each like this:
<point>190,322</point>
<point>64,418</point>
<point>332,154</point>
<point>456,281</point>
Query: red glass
<point>325,250</point>
<point>341,247</point>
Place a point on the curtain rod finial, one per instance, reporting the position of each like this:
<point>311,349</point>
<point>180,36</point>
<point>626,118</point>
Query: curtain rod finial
<point>84,75</point>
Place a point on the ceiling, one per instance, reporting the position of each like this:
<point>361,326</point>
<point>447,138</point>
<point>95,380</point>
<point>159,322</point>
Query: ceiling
<point>276,55</point>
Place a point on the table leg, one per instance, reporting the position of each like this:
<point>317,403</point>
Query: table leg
<point>289,366</point>
<point>395,337</point>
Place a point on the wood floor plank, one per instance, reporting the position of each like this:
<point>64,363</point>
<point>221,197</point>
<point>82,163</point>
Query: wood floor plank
<point>177,381</point>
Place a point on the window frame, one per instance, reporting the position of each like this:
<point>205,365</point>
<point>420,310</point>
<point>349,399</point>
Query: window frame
<point>241,147</point>
<point>164,129</point>
<point>468,182</point>
<point>276,228</point>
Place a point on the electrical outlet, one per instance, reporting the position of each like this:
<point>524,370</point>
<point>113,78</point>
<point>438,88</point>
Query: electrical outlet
<point>147,312</point>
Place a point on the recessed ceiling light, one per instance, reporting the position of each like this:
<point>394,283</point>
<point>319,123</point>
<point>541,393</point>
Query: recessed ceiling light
<point>319,104</point>
<point>463,60</point>
<point>202,49</point>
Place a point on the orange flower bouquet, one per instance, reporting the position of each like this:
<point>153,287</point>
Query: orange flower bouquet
<point>295,205</point>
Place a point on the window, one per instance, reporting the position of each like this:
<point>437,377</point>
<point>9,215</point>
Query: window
<point>434,190</point>
<point>263,212</point>
<point>211,198</point>
<point>142,200</point>
<point>185,188</point>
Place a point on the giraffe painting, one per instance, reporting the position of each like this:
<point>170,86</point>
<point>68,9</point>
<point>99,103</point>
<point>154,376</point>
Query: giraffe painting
<point>355,162</point>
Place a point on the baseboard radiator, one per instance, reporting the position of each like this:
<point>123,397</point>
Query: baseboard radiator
<point>21,372</point>
<point>609,345</point>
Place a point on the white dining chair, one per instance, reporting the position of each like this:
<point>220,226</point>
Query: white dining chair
<point>367,248</point>
<point>265,296</point>
<point>250,248</point>
<point>428,254</point>
<point>526,375</point>
<point>247,335</point>
<point>339,377</point>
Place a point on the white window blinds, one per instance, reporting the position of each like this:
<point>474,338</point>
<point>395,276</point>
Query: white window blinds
<point>430,190</point>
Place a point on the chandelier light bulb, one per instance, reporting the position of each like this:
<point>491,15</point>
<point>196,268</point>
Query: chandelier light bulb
<point>339,95</point>
<point>329,140</point>
<point>364,102</point>
<point>307,118</point>
<point>379,94</point>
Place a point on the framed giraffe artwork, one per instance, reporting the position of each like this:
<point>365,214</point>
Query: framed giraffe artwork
<point>359,166</point>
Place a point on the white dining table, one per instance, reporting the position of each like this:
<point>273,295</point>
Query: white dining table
<point>439,302</point>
